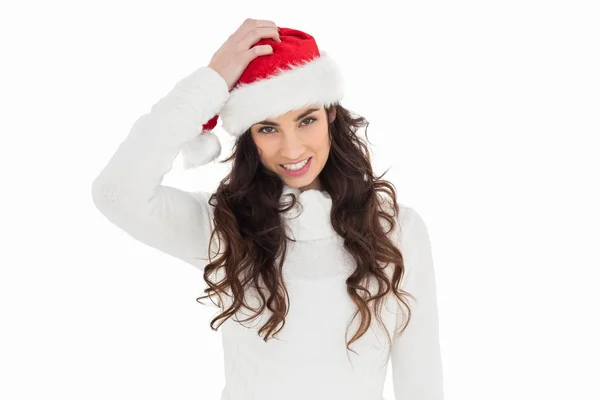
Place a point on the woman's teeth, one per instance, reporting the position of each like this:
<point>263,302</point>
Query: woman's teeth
<point>298,166</point>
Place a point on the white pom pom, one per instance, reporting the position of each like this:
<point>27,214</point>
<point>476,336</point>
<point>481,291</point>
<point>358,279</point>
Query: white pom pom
<point>201,150</point>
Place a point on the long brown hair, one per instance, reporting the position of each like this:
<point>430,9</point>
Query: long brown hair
<point>248,224</point>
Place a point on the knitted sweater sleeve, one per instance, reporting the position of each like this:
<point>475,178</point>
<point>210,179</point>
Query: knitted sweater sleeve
<point>416,354</point>
<point>129,191</point>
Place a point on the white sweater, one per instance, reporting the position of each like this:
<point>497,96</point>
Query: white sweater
<point>309,360</point>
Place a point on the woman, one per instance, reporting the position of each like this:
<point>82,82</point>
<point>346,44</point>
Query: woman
<point>300,244</point>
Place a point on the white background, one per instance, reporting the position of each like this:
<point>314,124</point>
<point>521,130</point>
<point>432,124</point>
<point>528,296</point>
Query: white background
<point>488,114</point>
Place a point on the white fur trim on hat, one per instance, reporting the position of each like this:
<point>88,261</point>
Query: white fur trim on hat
<point>316,82</point>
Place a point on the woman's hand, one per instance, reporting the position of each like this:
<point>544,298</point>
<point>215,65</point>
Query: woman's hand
<point>235,54</point>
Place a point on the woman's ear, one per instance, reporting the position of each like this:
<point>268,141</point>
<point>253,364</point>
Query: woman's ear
<point>332,114</point>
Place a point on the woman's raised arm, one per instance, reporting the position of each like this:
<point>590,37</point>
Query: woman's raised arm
<point>128,191</point>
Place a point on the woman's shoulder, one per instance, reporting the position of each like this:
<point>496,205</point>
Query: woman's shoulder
<point>406,219</point>
<point>405,211</point>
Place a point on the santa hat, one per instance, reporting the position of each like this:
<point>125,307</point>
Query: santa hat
<point>294,76</point>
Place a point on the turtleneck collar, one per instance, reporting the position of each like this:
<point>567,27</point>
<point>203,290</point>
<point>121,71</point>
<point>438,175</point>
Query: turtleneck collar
<point>310,219</point>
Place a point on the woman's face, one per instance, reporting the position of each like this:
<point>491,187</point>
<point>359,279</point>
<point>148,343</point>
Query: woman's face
<point>296,136</point>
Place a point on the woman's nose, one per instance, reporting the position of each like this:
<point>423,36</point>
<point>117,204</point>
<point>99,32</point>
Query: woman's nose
<point>291,148</point>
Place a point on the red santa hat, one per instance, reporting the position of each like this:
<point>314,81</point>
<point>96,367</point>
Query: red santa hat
<point>294,76</point>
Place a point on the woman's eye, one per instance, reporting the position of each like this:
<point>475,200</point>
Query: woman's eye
<point>309,118</point>
<point>312,120</point>
<point>266,127</point>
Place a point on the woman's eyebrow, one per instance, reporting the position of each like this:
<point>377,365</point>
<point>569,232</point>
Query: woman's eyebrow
<point>298,118</point>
